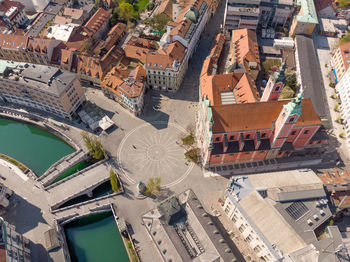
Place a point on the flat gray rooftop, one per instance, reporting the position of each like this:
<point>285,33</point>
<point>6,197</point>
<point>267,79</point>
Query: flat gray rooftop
<point>311,74</point>
<point>50,79</point>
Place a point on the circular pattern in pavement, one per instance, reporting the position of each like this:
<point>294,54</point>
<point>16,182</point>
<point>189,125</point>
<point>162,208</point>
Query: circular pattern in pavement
<point>152,150</point>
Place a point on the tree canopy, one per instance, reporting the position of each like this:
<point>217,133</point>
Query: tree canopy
<point>126,11</point>
<point>93,145</point>
<point>114,181</point>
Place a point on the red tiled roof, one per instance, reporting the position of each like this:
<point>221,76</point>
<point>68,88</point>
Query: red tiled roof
<point>345,53</point>
<point>13,41</point>
<point>6,5</point>
<point>73,13</point>
<point>61,20</point>
<point>165,58</point>
<point>245,45</point>
<point>97,20</point>
<point>258,116</point>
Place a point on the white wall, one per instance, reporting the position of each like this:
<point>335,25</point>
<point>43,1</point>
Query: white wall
<point>35,5</point>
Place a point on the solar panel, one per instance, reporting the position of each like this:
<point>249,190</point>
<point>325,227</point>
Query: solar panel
<point>297,210</point>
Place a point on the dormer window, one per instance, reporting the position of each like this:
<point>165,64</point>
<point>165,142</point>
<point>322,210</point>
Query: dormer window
<point>291,120</point>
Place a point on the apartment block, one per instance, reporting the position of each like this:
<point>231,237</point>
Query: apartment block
<point>253,13</point>
<point>306,19</point>
<point>13,246</point>
<point>12,13</point>
<point>27,49</point>
<point>165,71</point>
<point>127,87</point>
<point>343,88</point>
<point>166,68</point>
<point>41,87</point>
<point>278,215</point>
<point>341,60</point>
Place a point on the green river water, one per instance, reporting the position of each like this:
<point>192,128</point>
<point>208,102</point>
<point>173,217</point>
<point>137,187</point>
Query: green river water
<point>94,238</point>
<point>31,145</point>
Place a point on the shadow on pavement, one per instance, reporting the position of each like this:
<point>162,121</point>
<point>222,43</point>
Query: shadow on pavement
<point>15,211</point>
<point>38,252</point>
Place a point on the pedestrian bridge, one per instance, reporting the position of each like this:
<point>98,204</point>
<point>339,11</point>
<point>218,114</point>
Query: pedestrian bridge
<point>80,183</point>
<point>102,204</point>
<point>61,166</point>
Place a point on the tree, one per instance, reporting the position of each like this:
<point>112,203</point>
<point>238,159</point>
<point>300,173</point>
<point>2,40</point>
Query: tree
<point>114,181</point>
<point>125,11</point>
<point>93,145</point>
<point>291,80</point>
<point>159,21</point>
<point>153,186</point>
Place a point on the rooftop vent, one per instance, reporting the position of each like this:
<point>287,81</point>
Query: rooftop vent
<point>309,222</point>
<point>315,217</point>
<point>322,213</point>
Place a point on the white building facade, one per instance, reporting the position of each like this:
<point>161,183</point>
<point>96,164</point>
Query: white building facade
<point>343,88</point>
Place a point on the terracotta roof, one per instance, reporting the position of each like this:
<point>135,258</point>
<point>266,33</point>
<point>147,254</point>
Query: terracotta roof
<point>335,178</point>
<point>243,89</point>
<point>78,38</point>
<point>97,20</point>
<point>138,41</point>
<point>345,51</point>
<point>112,37</point>
<point>164,58</point>
<point>128,82</point>
<point>73,13</point>
<point>133,86</point>
<point>166,7</point>
<point>245,46</point>
<point>6,5</point>
<point>136,52</point>
<point>61,20</point>
<point>66,56</point>
<point>13,41</point>
<point>257,116</point>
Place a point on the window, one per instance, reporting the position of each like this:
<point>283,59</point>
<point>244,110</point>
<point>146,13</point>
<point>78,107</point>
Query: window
<point>293,133</point>
<point>217,155</point>
<point>263,135</point>
<point>261,152</point>
<point>231,154</point>
<point>241,228</point>
<point>232,137</point>
<point>291,120</point>
<point>227,210</point>
<point>277,88</point>
<point>217,139</point>
<point>306,132</point>
<point>247,136</point>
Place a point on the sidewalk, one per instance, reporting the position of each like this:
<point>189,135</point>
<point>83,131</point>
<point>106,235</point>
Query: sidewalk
<point>261,166</point>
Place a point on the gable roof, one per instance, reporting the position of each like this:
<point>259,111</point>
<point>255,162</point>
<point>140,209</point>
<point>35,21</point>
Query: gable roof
<point>257,116</point>
<point>245,46</point>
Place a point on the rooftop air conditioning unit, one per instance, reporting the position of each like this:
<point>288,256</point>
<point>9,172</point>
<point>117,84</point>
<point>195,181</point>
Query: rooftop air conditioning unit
<point>316,217</point>
<point>309,222</point>
<point>322,213</point>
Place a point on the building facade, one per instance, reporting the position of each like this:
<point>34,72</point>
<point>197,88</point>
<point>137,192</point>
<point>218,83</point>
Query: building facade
<point>35,5</point>
<point>13,246</point>
<point>41,87</point>
<point>343,89</point>
<point>5,194</point>
<point>250,132</point>
<point>277,213</point>
<point>306,20</point>
<point>164,71</point>
<point>27,49</point>
<point>253,13</point>
<point>12,14</point>
<point>128,91</point>
<point>341,60</point>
